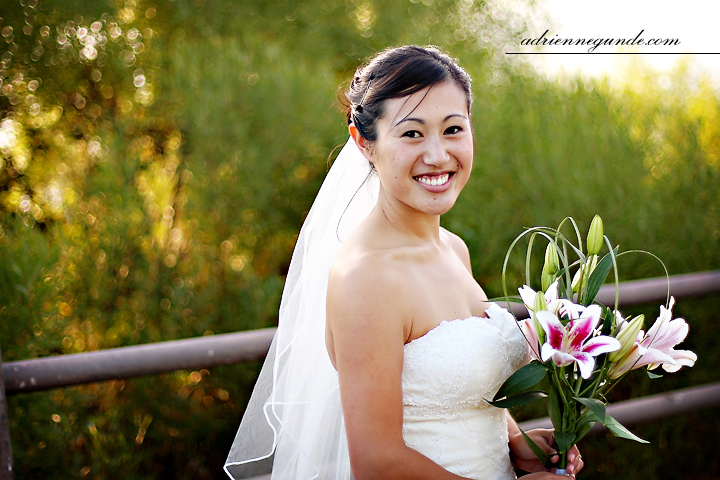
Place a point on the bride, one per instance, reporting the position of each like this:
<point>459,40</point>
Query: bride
<point>387,348</point>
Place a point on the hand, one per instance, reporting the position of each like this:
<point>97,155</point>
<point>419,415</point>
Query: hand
<point>524,458</point>
<point>574,461</point>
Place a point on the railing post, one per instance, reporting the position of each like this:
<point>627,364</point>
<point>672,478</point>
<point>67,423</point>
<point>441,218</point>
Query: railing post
<point>6,463</point>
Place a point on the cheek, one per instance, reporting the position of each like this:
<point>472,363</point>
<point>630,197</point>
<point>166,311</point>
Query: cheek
<point>465,155</point>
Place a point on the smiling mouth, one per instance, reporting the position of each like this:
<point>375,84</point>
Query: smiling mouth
<point>434,180</point>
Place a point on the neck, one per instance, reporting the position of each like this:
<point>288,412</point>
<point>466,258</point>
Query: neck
<point>407,222</point>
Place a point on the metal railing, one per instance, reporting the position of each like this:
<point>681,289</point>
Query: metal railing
<point>205,352</point>
<point>640,410</point>
<point>138,360</point>
<point>652,407</point>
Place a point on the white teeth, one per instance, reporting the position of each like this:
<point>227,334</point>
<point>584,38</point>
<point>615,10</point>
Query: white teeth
<point>434,180</point>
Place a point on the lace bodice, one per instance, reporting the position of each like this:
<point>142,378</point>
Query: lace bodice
<point>447,376</point>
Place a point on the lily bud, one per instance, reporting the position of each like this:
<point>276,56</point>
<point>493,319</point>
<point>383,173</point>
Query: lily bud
<point>552,263</point>
<point>540,302</point>
<point>595,236</point>
<point>540,305</point>
<point>583,273</point>
<point>546,278</point>
<point>577,279</point>
<point>593,264</point>
<point>627,338</point>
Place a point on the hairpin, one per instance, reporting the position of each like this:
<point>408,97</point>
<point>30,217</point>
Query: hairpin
<point>359,107</point>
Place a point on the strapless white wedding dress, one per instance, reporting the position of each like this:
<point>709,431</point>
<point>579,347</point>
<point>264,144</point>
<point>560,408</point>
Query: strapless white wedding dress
<point>447,376</point>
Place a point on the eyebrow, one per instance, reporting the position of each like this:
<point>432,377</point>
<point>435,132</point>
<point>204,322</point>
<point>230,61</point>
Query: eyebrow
<point>422,122</point>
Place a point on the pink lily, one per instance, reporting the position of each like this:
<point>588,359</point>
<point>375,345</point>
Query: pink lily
<point>657,347</point>
<point>569,343</point>
<point>531,335</point>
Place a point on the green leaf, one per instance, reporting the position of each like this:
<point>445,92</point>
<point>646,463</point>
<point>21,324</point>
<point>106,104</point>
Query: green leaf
<point>595,406</point>
<point>599,414</point>
<point>583,429</point>
<point>564,440</point>
<point>620,431</point>
<point>519,399</point>
<point>653,375</point>
<point>597,277</point>
<point>555,407</point>
<point>539,453</point>
<point>525,377</point>
<point>607,322</point>
<point>590,418</point>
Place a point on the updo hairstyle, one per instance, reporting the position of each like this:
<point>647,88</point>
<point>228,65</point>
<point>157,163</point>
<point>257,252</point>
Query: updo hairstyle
<point>397,72</point>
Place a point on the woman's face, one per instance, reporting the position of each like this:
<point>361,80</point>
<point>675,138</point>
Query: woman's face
<point>424,148</point>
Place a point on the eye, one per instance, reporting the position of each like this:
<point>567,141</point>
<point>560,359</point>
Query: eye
<point>453,130</point>
<point>412,134</point>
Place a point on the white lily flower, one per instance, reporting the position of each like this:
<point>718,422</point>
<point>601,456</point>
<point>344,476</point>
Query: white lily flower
<point>657,347</point>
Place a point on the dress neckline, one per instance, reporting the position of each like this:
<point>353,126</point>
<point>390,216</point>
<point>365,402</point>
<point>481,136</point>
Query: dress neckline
<point>442,324</point>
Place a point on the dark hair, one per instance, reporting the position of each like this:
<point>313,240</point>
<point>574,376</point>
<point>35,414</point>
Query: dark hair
<point>398,72</point>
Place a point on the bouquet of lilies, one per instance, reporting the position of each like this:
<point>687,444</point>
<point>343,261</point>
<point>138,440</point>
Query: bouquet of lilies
<point>581,347</point>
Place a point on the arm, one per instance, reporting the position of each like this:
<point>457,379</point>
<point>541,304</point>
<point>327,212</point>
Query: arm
<point>366,335</point>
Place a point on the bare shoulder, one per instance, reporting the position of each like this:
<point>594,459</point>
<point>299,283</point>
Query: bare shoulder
<point>459,247</point>
<point>365,306</point>
<point>362,281</point>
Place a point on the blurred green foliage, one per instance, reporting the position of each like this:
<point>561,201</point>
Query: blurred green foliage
<point>157,160</point>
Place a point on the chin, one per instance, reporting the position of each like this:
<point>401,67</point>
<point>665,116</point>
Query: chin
<point>442,203</point>
<point>438,208</point>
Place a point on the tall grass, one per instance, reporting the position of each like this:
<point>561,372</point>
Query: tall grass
<point>237,147</point>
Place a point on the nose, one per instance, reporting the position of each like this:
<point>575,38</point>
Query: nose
<point>436,153</point>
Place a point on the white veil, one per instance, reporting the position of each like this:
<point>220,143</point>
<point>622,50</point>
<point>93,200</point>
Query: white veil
<point>294,418</point>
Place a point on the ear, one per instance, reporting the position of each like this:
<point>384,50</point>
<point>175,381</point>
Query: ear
<point>363,144</point>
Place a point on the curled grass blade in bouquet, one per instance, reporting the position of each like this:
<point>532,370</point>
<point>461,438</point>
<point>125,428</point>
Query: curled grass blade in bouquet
<point>582,348</point>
